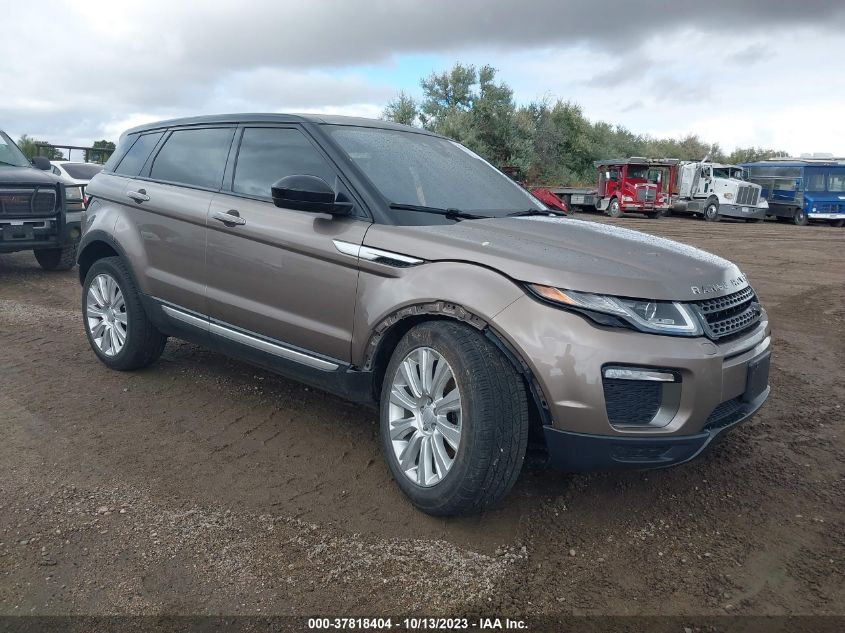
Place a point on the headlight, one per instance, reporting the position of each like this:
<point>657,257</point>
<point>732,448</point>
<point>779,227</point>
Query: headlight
<point>728,195</point>
<point>657,317</point>
<point>73,194</point>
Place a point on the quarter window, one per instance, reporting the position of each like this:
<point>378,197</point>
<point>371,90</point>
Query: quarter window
<point>194,157</point>
<point>137,155</point>
<point>268,154</point>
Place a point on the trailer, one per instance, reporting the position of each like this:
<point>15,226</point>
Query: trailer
<point>626,185</point>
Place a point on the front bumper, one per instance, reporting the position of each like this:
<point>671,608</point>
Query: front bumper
<point>742,211</point>
<point>22,234</point>
<point>586,424</point>
<point>579,452</point>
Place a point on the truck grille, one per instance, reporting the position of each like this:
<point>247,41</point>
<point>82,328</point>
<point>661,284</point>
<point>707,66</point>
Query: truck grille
<point>747,195</point>
<point>27,202</point>
<point>646,194</point>
<point>730,315</point>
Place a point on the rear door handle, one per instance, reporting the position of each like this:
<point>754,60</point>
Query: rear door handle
<point>138,196</point>
<point>230,218</point>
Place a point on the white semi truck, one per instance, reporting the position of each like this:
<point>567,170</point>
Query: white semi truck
<point>713,190</point>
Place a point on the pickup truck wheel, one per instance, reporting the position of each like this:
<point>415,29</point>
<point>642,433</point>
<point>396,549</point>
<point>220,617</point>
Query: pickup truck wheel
<point>837,223</point>
<point>799,217</point>
<point>62,258</point>
<point>454,419</point>
<point>711,212</point>
<point>613,209</point>
<point>116,325</point>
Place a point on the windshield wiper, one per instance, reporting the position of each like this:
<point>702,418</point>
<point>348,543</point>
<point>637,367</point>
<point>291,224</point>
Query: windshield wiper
<point>452,214</point>
<point>518,214</point>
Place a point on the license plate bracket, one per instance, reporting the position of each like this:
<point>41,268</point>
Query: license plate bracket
<point>757,378</point>
<point>14,232</point>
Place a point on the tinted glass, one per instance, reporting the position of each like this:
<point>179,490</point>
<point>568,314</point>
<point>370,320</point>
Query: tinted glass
<point>194,157</point>
<point>815,182</point>
<point>268,154</point>
<point>424,170</point>
<point>82,171</point>
<point>137,155</point>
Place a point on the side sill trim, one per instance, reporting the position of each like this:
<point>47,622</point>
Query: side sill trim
<point>254,342</point>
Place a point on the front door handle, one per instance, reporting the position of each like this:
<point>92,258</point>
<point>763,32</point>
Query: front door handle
<point>230,218</point>
<point>138,196</point>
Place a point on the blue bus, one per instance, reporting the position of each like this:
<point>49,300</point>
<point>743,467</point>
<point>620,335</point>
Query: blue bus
<point>801,191</point>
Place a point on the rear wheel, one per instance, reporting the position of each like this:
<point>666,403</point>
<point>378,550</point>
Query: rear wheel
<point>62,258</point>
<point>613,209</point>
<point>799,217</point>
<point>454,419</point>
<point>711,212</point>
<point>116,325</point>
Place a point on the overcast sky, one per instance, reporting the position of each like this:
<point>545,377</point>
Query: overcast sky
<point>754,72</point>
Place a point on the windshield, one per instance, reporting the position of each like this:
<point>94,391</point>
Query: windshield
<point>638,172</point>
<point>728,172</point>
<point>9,152</point>
<point>82,171</point>
<point>429,171</point>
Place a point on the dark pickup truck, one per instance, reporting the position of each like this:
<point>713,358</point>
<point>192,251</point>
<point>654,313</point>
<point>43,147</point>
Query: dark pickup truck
<point>38,211</point>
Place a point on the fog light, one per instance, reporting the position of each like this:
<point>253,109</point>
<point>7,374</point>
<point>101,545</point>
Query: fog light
<point>623,373</point>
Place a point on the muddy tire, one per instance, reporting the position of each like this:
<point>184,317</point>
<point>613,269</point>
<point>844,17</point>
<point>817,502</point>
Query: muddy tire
<point>453,419</point>
<point>62,258</point>
<point>711,211</point>
<point>799,217</point>
<point>613,209</point>
<point>117,327</point>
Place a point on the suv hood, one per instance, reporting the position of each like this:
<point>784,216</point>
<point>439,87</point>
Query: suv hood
<point>26,176</point>
<point>572,254</point>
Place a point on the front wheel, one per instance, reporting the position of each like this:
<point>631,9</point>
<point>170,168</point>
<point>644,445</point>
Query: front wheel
<point>613,209</point>
<point>454,419</point>
<point>118,329</point>
<point>711,213</point>
<point>837,223</point>
<point>61,258</point>
<point>799,217</point>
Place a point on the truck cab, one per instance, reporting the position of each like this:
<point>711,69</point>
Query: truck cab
<point>634,185</point>
<point>714,190</point>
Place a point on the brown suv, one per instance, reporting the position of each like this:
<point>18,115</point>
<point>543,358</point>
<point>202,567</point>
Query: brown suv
<point>395,267</point>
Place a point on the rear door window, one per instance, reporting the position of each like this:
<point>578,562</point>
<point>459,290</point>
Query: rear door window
<point>137,155</point>
<point>268,154</point>
<point>196,158</point>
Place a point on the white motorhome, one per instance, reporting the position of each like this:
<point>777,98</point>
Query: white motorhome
<point>713,190</point>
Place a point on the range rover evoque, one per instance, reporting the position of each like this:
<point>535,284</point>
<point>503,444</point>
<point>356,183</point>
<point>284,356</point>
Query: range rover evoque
<point>395,267</point>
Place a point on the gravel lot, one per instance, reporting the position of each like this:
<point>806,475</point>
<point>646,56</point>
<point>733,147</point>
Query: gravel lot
<point>203,485</point>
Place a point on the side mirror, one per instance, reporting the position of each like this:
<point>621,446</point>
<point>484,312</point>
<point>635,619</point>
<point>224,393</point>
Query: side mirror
<point>41,163</point>
<point>308,193</point>
<point>607,175</point>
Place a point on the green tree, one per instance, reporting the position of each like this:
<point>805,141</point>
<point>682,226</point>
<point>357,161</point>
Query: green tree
<point>402,109</point>
<point>29,148</point>
<point>105,150</point>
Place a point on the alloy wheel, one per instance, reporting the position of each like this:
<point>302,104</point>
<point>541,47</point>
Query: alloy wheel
<point>425,416</point>
<point>105,314</point>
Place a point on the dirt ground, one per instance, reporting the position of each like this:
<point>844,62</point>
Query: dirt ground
<point>204,486</point>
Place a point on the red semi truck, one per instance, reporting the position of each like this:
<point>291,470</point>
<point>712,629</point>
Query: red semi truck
<point>626,185</point>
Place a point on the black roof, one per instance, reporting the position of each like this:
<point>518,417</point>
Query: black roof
<point>274,117</point>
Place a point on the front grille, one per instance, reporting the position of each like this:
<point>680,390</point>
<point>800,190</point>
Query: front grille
<point>730,315</point>
<point>631,402</point>
<point>747,195</point>
<point>23,202</point>
<point>646,194</point>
